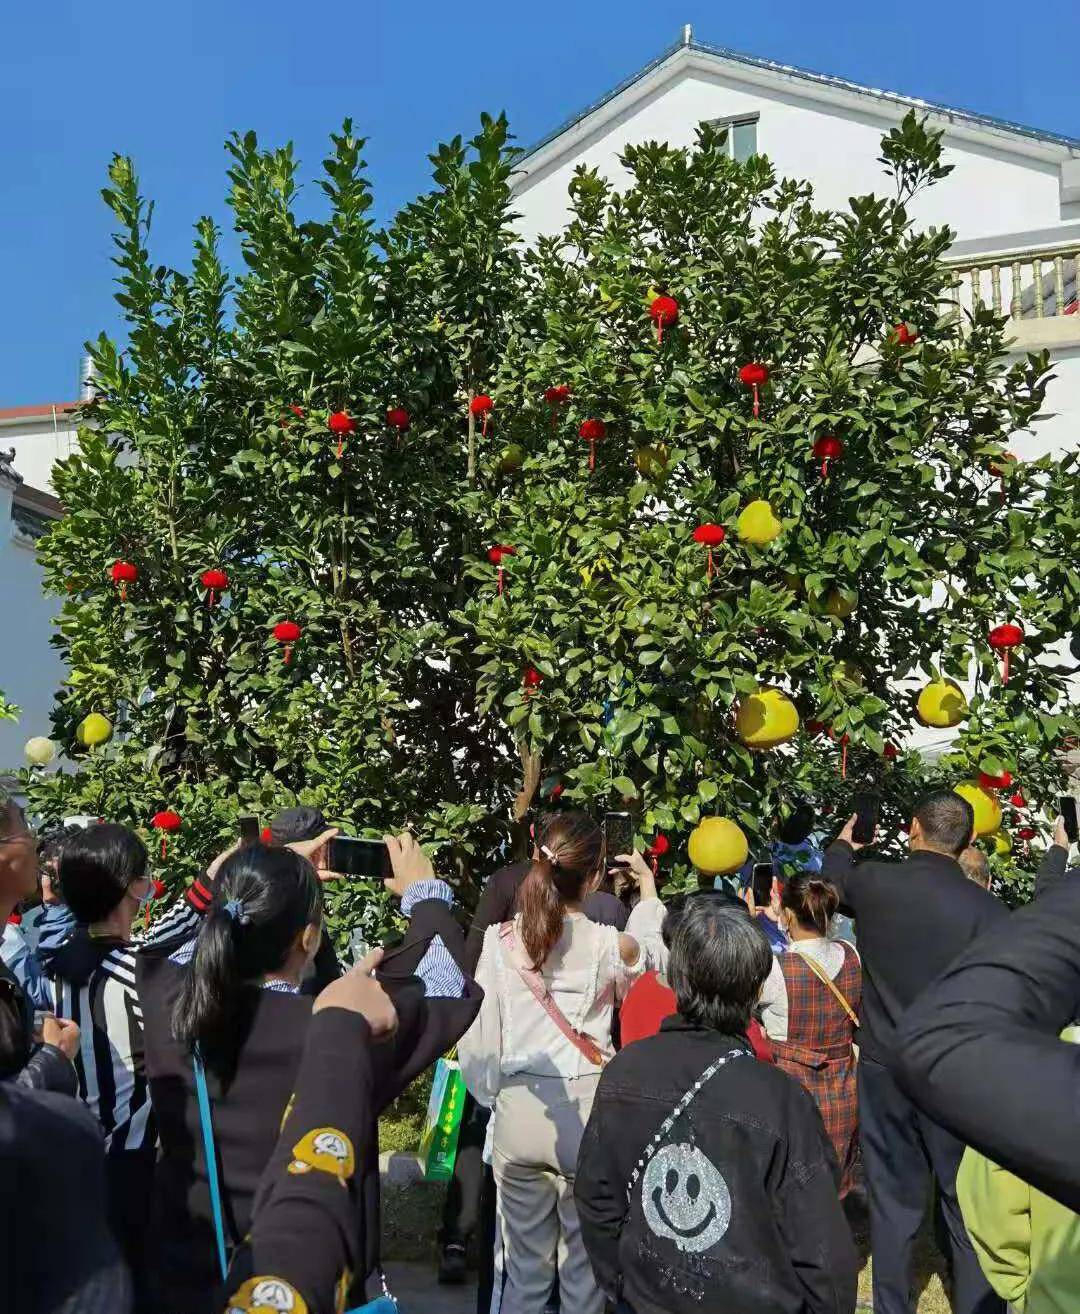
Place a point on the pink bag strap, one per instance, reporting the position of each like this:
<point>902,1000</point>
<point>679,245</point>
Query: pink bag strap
<point>585,1046</point>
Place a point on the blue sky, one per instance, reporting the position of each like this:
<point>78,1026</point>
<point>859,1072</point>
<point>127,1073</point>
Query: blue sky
<point>166,82</point>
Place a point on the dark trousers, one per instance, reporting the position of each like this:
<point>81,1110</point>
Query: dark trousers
<point>901,1149</point>
<point>129,1182</point>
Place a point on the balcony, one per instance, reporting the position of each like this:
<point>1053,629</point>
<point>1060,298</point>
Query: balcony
<point>1034,285</point>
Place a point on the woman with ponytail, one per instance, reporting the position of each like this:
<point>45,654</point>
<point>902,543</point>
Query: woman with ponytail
<point>235,1001</point>
<point>551,981</point>
<point>809,1008</point>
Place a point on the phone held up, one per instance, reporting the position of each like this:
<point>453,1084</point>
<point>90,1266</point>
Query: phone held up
<point>618,836</point>
<point>1070,814</point>
<point>249,830</point>
<point>362,859</point>
<point>866,809</point>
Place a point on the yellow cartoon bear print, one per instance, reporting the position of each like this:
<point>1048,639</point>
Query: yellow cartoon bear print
<point>324,1150</point>
<point>267,1295</point>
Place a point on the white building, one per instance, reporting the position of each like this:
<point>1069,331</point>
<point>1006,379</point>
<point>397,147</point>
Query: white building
<point>1013,199</point>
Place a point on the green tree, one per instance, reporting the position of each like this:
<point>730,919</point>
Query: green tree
<point>208,447</point>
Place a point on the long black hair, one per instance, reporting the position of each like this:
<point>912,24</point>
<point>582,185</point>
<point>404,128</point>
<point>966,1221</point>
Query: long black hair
<point>264,896</point>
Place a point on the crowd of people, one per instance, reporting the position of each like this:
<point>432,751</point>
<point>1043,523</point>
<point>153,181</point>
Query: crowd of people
<point>674,1104</point>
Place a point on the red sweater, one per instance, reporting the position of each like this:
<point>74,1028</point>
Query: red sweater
<point>649,1001</point>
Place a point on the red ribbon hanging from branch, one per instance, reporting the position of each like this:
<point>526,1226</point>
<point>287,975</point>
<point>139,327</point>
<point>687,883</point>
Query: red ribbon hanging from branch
<point>1003,638</point>
<point>755,375</point>
<point>496,555</point>
<point>709,536</point>
<point>592,431</point>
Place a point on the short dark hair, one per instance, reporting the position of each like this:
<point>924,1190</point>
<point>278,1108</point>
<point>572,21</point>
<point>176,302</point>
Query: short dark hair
<point>719,961</point>
<point>96,867</point>
<point>52,841</point>
<point>796,827</point>
<point>292,825</point>
<point>947,820</point>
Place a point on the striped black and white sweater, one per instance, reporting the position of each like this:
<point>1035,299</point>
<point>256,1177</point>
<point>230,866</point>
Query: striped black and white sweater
<point>94,983</point>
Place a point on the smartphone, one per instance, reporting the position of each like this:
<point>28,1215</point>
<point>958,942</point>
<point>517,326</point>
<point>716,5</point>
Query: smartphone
<point>249,830</point>
<point>866,809</point>
<point>365,858</point>
<point>1069,812</point>
<point>762,875</point>
<point>618,835</point>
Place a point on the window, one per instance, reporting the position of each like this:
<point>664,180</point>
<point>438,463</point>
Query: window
<point>741,135</point>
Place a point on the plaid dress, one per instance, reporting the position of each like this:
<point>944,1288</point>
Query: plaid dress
<point>819,1050</point>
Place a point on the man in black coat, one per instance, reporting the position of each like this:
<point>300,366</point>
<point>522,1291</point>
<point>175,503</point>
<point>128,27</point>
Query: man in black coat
<point>913,919</point>
<point>981,1054</point>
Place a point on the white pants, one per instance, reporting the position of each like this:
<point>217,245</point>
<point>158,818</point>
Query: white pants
<point>539,1122</point>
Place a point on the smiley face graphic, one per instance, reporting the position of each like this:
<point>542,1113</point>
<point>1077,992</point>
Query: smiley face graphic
<point>685,1199</point>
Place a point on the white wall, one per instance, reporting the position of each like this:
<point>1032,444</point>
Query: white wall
<point>991,190</point>
<point>38,443</point>
<point>30,670</point>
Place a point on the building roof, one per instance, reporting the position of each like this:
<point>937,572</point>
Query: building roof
<point>43,412</point>
<point>822,81</point>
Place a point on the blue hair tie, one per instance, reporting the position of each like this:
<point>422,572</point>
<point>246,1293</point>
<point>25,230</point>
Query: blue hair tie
<point>234,910</point>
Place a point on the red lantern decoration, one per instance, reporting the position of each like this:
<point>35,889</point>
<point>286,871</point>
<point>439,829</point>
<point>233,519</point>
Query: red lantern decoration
<point>664,311</point>
<point>168,822</point>
<point>555,397</point>
<point>298,411</point>
<point>1026,833</point>
<point>656,851</point>
<point>123,573</point>
<point>266,835</point>
<point>214,582</point>
<point>1018,800</point>
<point>755,375</point>
<point>890,752</point>
<point>495,556</point>
<point>1002,781</point>
<point>709,536</point>
<point>998,468</point>
<point>826,449</point>
<point>397,417</point>
<point>287,632</point>
<point>592,431</point>
<point>843,741</point>
<point>482,406</point>
<point>904,336</point>
<point>341,423</point>
<point>1002,639</point>
<point>531,679</point>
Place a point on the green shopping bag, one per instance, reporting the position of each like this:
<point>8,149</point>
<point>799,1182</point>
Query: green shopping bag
<point>438,1144</point>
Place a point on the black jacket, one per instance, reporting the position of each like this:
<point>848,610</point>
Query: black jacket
<point>754,1151</point>
<point>980,1052</point>
<point>307,1231</point>
<point>912,919</point>
<point>1052,869</point>
<point>40,1067</point>
<point>250,1100</point>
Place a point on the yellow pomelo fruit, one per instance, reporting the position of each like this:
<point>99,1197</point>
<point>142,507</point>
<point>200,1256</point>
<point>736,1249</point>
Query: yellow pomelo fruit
<point>848,673</point>
<point>987,809</point>
<point>766,718</point>
<point>718,846</point>
<point>1003,843</point>
<point>39,751</point>
<point>93,730</point>
<point>942,703</point>
<point>757,524</point>
<point>652,461</point>
<point>836,604</point>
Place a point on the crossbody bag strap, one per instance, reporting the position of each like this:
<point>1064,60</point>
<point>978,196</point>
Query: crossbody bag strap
<point>588,1048</point>
<point>677,1112</point>
<point>210,1154</point>
<point>822,975</point>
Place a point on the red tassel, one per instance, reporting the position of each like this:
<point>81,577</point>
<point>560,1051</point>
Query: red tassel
<point>500,581</point>
<point>659,330</point>
<point>340,447</point>
<point>164,846</point>
<point>709,567</point>
<point>123,591</point>
<point>592,454</point>
<point>554,418</point>
<point>1005,668</point>
<point>286,656</point>
<point>483,427</point>
<point>757,402</point>
<point>843,761</point>
<point>211,598</point>
<point>825,468</point>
